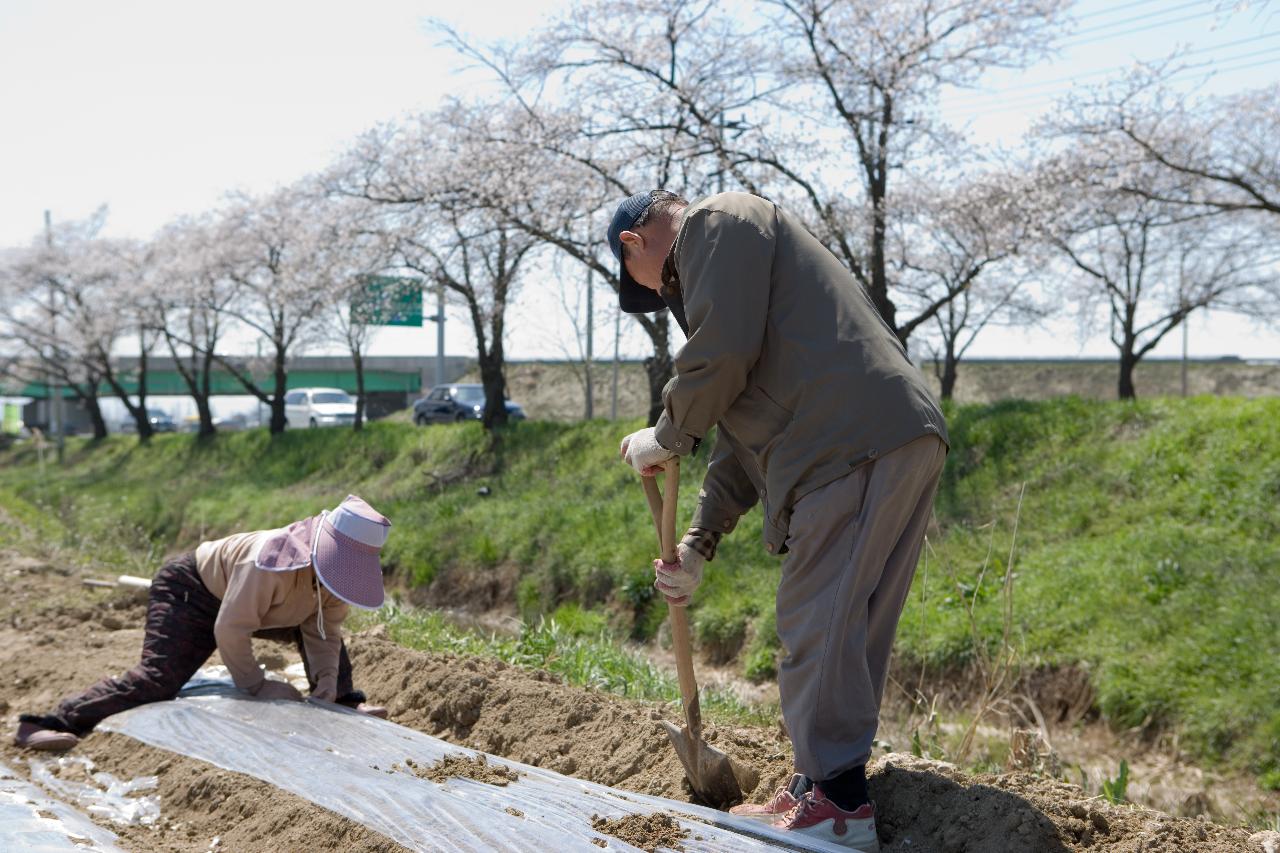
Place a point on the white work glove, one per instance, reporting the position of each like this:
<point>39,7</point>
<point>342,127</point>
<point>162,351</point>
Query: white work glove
<point>278,690</point>
<point>678,580</point>
<point>641,451</point>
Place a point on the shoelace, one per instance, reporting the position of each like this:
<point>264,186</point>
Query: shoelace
<point>802,805</point>
<point>782,795</point>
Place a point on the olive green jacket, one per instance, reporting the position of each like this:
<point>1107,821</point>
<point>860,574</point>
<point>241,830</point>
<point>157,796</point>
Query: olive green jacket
<point>789,356</point>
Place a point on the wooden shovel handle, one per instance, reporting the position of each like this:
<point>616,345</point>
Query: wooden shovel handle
<point>663,509</point>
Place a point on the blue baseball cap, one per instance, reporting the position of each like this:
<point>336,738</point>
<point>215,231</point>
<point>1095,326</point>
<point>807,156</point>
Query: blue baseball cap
<point>633,297</point>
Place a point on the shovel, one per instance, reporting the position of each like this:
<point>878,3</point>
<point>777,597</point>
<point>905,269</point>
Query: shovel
<point>715,777</point>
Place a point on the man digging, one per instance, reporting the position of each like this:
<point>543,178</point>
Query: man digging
<point>291,583</point>
<point>821,418</point>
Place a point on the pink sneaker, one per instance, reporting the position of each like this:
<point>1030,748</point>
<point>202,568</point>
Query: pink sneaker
<point>817,817</point>
<point>783,801</point>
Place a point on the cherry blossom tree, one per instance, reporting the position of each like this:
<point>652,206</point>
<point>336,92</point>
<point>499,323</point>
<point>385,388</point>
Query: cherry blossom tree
<point>966,268</point>
<point>445,185</point>
<point>188,292</point>
<point>352,251</point>
<point>820,105</point>
<point>58,301</point>
<point>1146,262</point>
<point>606,138</point>
<point>1213,154</point>
<point>268,248</point>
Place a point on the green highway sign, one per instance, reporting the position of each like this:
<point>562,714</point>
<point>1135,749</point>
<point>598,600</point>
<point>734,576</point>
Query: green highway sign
<point>388,301</point>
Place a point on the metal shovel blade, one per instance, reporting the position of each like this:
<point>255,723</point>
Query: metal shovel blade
<point>717,779</point>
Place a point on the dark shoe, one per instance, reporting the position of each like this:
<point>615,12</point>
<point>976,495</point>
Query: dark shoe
<point>34,736</point>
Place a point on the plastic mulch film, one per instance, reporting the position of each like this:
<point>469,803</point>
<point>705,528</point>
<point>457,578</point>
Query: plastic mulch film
<point>363,769</point>
<point>103,796</point>
<point>32,821</point>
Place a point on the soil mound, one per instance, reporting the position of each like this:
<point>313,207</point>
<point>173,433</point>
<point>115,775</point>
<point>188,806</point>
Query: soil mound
<point>534,718</point>
<point>921,806</point>
<point>55,639</point>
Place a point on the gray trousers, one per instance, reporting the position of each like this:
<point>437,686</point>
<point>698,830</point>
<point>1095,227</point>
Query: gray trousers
<point>852,552</point>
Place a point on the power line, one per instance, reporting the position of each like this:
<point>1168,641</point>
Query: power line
<point>1142,17</point>
<point>1036,97</point>
<point>1047,97</point>
<point>1181,75</point>
<point>1121,8</point>
<point>991,95</point>
<point>1155,25</point>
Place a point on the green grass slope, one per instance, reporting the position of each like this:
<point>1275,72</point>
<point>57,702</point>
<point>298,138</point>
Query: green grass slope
<point>1147,547</point>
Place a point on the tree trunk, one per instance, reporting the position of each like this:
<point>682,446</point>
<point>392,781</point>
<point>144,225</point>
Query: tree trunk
<point>142,388</point>
<point>1128,361</point>
<point>950,365</point>
<point>202,394</point>
<point>91,403</point>
<point>357,358</point>
<point>658,367</point>
<point>195,375</point>
<point>139,412</point>
<point>495,391</point>
<point>278,422</point>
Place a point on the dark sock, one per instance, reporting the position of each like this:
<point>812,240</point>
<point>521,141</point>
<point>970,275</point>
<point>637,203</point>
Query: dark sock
<point>849,789</point>
<point>800,786</point>
<point>352,699</point>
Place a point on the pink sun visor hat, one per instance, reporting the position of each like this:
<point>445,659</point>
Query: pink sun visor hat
<point>345,552</point>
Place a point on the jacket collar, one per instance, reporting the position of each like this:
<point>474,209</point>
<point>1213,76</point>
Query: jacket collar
<point>671,291</point>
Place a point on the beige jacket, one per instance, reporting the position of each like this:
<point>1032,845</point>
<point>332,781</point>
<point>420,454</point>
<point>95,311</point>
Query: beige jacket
<point>254,599</point>
<point>789,356</point>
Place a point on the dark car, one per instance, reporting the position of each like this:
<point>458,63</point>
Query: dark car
<point>160,422</point>
<point>450,403</point>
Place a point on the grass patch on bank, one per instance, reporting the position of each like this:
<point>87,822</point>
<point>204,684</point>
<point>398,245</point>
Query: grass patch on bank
<point>1148,547</point>
<point>574,644</point>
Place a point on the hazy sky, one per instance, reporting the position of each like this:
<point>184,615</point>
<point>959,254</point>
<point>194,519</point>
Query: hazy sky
<point>158,108</point>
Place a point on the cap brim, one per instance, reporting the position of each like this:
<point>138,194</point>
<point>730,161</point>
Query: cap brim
<point>635,298</point>
<point>348,569</point>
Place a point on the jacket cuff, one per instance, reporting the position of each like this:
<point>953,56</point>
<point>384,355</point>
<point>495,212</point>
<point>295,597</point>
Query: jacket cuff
<point>709,517</point>
<point>252,689</point>
<point>703,541</point>
<point>672,439</point>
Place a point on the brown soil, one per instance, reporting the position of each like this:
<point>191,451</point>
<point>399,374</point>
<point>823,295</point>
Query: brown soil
<point>648,832</point>
<point>56,637</point>
<point>532,717</point>
<point>465,767</point>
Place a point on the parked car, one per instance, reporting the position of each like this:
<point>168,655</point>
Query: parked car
<point>318,407</point>
<point>160,422</point>
<point>191,423</point>
<point>450,403</point>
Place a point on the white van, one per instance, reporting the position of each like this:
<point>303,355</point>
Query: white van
<point>318,407</point>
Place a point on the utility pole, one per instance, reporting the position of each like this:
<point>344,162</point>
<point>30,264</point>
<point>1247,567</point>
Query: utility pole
<point>591,318</point>
<point>54,389</point>
<point>439,318</point>
<point>617,336</point>
<point>723,162</point>
<point>1185,322</point>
